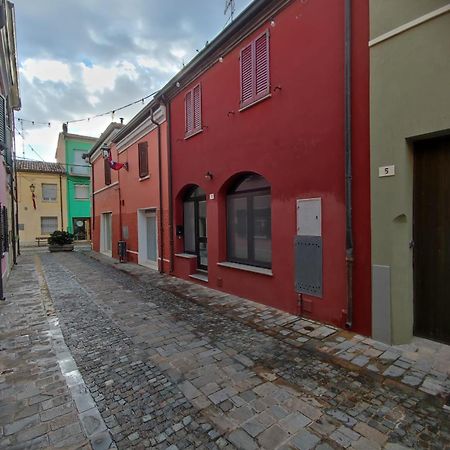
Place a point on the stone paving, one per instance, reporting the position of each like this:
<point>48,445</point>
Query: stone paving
<point>36,404</point>
<point>171,365</point>
<point>422,364</point>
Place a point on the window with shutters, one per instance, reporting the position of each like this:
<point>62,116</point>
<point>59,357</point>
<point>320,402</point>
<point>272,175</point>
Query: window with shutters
<point>255,70</point>
<point>48,225</point>
<point>107,172</point>
<point>143,159</point>
<point>49,192</point>
<point>193,111</point>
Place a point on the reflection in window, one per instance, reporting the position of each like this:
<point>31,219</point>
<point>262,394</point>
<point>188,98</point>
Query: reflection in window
<point>249,228</point>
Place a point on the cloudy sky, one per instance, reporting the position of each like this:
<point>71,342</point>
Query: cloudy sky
<point>79,58</point>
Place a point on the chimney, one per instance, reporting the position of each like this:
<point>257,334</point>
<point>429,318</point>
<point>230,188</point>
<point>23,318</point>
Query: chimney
<point>64,127</point>
<point>121,120</point>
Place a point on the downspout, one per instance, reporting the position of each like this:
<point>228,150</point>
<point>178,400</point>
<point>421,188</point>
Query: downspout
<point>61,202</point>
<point>12,193</point>
<point>17,204</point>
<point>348,161</point>
<point>169,157</point>
<point>93,197</point>
<point>161,211</point>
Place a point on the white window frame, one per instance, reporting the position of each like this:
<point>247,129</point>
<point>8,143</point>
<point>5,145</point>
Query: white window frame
<point>75,191</point>
<point>44,199</point>
<point>46,233</point>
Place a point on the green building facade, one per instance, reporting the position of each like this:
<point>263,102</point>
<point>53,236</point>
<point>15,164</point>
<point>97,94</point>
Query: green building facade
<point>70,151</point>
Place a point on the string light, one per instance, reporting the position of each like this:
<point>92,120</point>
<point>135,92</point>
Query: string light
<point>88,119</point>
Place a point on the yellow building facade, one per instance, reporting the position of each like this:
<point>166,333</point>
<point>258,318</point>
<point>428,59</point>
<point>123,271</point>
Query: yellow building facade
<point>42,200</point>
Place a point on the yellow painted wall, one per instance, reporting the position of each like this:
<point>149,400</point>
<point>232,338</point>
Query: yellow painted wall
<point>30,217</point>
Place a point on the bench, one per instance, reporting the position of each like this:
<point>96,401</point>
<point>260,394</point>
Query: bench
<point>41,238</point>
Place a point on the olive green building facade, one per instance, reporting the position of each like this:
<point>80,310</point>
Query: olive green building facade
<point>410,113</point>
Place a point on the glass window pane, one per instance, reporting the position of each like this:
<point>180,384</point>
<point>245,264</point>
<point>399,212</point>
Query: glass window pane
<point>262,235</point>
<point>189,227</point>
<point>202,219</point>
<point>48,225</point>
<point>49,192</point>
<point>151,238</point>
<point>82,191</point>
<point>237,228</point>
<point>252,183</point>
<point>79,166</point>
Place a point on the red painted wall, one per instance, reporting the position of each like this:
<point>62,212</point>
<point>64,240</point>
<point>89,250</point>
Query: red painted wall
<point>132,194</point>
<point>295,139</point>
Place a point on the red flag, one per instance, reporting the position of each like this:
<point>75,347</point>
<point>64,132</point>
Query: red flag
<point>34,200</point>
<point>113,164</point>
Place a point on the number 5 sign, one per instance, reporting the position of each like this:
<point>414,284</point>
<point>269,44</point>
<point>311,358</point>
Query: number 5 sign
<point>386,171</point>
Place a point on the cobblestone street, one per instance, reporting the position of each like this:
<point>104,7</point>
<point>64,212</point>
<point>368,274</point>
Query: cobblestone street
<point>92,356</point>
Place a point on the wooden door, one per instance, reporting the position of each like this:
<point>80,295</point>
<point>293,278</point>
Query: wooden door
<point>432,239</point>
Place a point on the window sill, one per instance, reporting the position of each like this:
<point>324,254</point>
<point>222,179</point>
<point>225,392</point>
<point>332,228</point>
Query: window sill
<point>185,255</point>
<point>147,177</point>
<point>269,95</point>
<point>247,268</point>
<point>192,133</point>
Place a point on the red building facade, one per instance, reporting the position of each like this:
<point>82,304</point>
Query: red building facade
<point>258,123</point>
<point>253,163</point>
<point>131,204</point>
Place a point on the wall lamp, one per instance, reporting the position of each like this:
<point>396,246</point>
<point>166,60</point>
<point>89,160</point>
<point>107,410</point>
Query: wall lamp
<point>105,151</point>
<point>209,175</point>
<point>32,188</point>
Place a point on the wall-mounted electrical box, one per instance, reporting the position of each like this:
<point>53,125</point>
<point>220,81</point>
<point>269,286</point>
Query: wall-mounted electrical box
<point>309,217</point>
<point>308,247</point>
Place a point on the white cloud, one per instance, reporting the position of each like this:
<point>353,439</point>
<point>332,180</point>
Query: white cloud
<point>46,70</point>
<point>99,78</point>
<point>158,64</point>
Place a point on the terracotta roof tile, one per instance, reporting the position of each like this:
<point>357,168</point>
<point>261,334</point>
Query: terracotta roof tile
<point>24,165</point>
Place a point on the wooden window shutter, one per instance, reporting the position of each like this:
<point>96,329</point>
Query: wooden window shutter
<point>188,112</point>
<point>107,172</point>
<point>5,239</point>
<point>3,136</point>
<point>247,75</point>
<point>197,109</point>
<point>262,70</point>
<point>143,159</point>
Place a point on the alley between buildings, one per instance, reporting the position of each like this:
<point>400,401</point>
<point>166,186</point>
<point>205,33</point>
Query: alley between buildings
<point>92,356</point>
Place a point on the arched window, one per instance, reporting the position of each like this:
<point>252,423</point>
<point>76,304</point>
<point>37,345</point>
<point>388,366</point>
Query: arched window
<point>195,236</point>
<point>249,224</point>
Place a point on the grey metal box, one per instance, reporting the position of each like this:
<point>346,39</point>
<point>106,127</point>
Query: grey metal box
<point>308,265</point>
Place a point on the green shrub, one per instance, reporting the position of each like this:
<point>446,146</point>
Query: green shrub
<point>60,238</point>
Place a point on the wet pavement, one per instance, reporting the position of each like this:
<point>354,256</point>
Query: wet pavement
<point>161,363</point>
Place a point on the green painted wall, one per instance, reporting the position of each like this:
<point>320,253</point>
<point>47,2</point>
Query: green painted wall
<point>76,175</point>
<point>410,96</point>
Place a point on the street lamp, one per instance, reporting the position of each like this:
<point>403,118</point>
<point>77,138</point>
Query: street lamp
<point>32,188</point>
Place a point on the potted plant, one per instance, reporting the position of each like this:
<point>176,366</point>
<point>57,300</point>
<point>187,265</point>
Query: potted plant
<point>60,241</point>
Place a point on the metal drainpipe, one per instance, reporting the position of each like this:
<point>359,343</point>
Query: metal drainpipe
<point>17,205</point>
<point>348,161</point>
<point>13,217</point>
<point>61,201</point>
<point>161,225</point>
<point>169,157</point>
<point>93,198</point>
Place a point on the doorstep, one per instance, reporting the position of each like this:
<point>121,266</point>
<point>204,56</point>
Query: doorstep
<point>201,276</point>
<point>418,365</point>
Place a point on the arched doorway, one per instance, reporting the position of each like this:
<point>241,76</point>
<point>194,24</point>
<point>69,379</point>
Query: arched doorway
<point>195,226</point>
